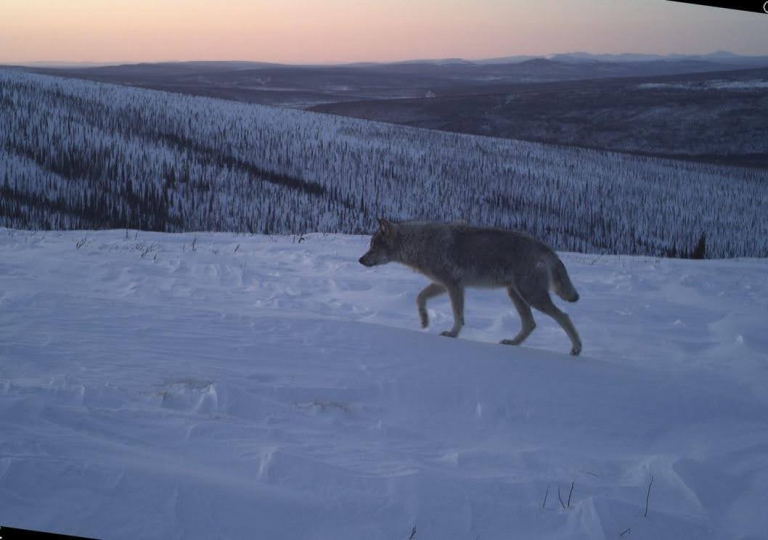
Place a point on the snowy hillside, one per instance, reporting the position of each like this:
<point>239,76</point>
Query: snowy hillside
<point>83,155</point>
<point>221,386</point>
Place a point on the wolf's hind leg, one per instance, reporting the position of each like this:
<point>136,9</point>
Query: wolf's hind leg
<point>430,291</point>
<point>526,318</point>
<point>457,303</point>
<point>543,302</point>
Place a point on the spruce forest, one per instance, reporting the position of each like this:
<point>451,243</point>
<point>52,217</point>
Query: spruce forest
<point>85,155</point>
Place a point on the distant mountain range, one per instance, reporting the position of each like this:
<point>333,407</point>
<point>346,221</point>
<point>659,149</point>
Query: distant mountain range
<point>305,86</point>
<point>718,57</point>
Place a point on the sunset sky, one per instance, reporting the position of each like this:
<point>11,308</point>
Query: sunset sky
<point>319,31</point>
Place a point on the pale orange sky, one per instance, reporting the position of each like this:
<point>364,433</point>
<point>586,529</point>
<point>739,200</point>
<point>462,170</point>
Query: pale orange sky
<point>316,31</point>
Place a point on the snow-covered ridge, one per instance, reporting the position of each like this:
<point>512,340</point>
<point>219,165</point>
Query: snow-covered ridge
<point>83,155</point>
<point>222,386</point>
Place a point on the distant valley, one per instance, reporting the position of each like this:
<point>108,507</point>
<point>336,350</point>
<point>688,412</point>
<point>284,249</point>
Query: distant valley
<point>709,108</point>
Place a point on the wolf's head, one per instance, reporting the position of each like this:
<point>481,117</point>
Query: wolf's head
<point>383,244</point>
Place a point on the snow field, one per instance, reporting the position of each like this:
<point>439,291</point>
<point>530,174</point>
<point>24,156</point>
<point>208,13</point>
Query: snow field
<point>213,385</point>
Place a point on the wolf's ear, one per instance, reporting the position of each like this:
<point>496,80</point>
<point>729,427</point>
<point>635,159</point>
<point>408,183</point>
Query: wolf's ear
<point>386,226</point>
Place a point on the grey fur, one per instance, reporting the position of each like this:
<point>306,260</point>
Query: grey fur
<point>456,256</point>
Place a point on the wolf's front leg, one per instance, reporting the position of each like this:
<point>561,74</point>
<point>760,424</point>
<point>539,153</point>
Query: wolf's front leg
<point>456,293</point>
<point>430,291</point>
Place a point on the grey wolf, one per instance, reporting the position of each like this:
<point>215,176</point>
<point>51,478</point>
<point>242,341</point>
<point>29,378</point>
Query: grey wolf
<point>455,256</point>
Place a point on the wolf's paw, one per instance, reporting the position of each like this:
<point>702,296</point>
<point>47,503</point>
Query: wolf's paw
<point>449,333</point>
<point>576,350</point>
<point>424,319</point>
<point>509,342</point>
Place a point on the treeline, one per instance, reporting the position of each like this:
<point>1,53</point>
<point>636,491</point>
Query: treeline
<point>82,155</point>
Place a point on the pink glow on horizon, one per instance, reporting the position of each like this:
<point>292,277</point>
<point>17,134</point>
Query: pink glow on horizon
<point>316,31</point>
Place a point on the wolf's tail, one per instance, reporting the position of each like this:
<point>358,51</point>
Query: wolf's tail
<point>561,283</point>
